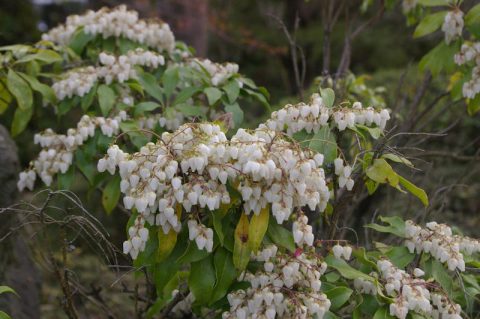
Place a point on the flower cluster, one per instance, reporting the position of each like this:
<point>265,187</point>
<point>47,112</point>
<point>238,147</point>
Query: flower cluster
<point>117,22</point>
<point>58,149</point>
<point>219,73</point>
<point>413,294</point>
<point>170,120</point>
<point>470,52</point>
<point>302,231</point>
<point>344,173</point>
<point>340,251</point>
<point>202,235</point>
<point>192,165</point>
<point>80,81</point>
<point>438,241</point>
<point>287,287</point>
<point>314,115</point>
<point>453,25</point>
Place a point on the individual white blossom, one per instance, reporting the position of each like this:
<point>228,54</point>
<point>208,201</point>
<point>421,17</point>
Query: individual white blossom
<point>287,287</point>
<point>453,25</point>
<point>315,115</point>
<point>192,165</point>
<point>302,231</point>
<point>342,251</point>
<point>116,22</point>
<point>470,52</point>
<point>58,150</point>
<point>344,173</point>
<point>438,241</point>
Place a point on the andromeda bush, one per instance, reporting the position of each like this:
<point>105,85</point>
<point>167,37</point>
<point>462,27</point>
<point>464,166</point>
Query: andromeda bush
<point>223,219</point>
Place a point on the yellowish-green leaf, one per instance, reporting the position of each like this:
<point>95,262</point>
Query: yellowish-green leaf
<point>414,190</point>
<point>106,99</point>
<point>258,227</point>
<point>20,120</point>
<point>382,172</point>
<point>328,96</point>
<point>166,243</point>
<point>241,249</point>
<point>397,159</point>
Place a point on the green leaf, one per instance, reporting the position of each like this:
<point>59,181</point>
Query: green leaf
<point>185,94</point>
<point>259,97</point>
<point>257,228</point>
<point>213,95</point>
<point>5,97</point>
<point>433,3</point>
<point>190,110</point>
<point>375,132</point>
<point>397,159</point>
<point>20,89</point>
<point>328,96</point>
<point>4,315</point>
<point>338,296</point>
<point>47,56</point>
<point>86,165</point>
<point>396,226</point>
<point>87,100</point>
<point>429,24</point>
<point>143,107</point>
<point>345,269</point>
<point>46,91</point>
<point>6,289</point>
<point>224,272</point>
<point>170,79</point>
<point>106,99</point>
<point>111,194</point>
<point>400,256</point>
<point>280,236</point>
<point>232,89</point>
<point>79,40</point>
<point>414,190</point>
<point>440,58</point>
<point>383,313</point>
<point>434,268</point>
<point>237,113</point>
<point>192,254</point>
<point>473,16</point>
<point>20,120</point>
<point>473,105</point>
<point>241,249</point>
<point>65,181</point>
<point>382,172</point>
<point>202,280</point>
<point>324,142</point>
<point>149,83</point>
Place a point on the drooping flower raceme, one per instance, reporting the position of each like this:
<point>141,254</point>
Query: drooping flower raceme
<point>80,81</point>
<point>468,53</point>
<point>315,115</point>
<point>414,294</point>
<point>58,150</point>
<point>219,73</point>
<point>192,165</point>
<point>117,22</point>
<point>453,25</point>
<point>287,287</point>
<point>438,241</point>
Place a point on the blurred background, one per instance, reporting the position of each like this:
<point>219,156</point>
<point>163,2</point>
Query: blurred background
<point>249,33</point>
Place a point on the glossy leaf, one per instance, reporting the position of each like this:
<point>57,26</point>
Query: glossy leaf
<point>20,89</point>
<point>345,269</point>
<point>395,225</point>
<point>257,228</point>
<point>429,24</point>
<point>106,99</point>
<point>20,120</point>
<point>414,190</point>
<point>46,91</point>
<point>237,113</point>
<point>111,194</point>
<point>202,280</point>
<point>232,89</point>
<point>382,172</point>
<point>149,83</point>
<point>241,249</point>
<point>328,96</point>
<point>324,142</point>
<point>143,107</point>
<point>280,236</point>
<point>338,296</point>
<point>224,272</point>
